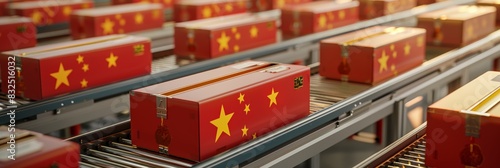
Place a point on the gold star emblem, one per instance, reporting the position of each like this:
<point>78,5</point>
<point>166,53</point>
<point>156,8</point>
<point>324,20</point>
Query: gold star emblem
<point>241,98</point>
<point>330,15</point>
<point>322,21</point>
<point>272,98</point>
<point>393,69</point>
<point>107,26</point>
<point>254,135</point>
<point>207,12</point>
<point>236,48</point>
<point>383,62</point>
<point>79,59</point>
<point>222,123</point>
<point>223,41</point>
<point>112,60</point>
<point>392,47</point>
<point>420,41</point>
<point>84,83</point>
<point>407,49</point>
<point>234,29</point>
<point>61,76</point>
<point>244,130</point>
<point>122,22</point>
<point>67,10</point>
<point>254,32</point>
<point>342,14</point>
<point>138,18</point>
<point>247,108</point>
<point>36,16</point>
<point>228,7</point>
<point>156,14</point>
<point>280,3</point>
<point>85,67</point>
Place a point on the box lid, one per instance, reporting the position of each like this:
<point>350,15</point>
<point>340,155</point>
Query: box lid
<point>473,92</point>
<point>40,4</point>
<point>6,20</point>
<point>375,36</point>
<point>77,46</point>
<point>463,12</point>
<point>322,6</point>
<point>492,2</point>
<point>226,21</point>
<point>116,9</point>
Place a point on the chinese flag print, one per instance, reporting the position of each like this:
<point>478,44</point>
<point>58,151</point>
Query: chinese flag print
<point>46,15</point>
<point>86,70</point>
<point>119,24</point>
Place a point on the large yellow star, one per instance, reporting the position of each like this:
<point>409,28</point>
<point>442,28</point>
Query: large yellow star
<point>139,18</point>
<point>272,97</point>
<point>84,83</point>
<point>241,98</point>
<point>67,10</point>
<point>112,60</point>
<point>407,49</point>
<point>322,21</point>
<point>383,62</point>
<point>342,14</point>
<point>207,12</point>
<point>244,130</point>
<point>61,76</point>
<point>223,41</point>
<point>85,67</point>
<point>79,59</point>
<point>107,26</point>
<point>222,123</point>
<point>36,16</point>
<point>247,108</point>
<point>254,32</point>
<point>228,7</point>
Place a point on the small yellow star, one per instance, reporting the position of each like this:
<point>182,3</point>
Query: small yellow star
<point>112,60</point>
<point>237,36</point>
<point>228,7</point>
<point>234,29</point>
<point>244,130</point>
<point>392,47</point>
<point>207,12</point>
<point>79,59</point>
<point>139,18</point>
<point>85,67</point>
<point>342,14</point>
<point>407,49</point>
<point>36,16</point>
<point>223,41</point>
<point>241,98</point>
<point>330,15</point>
<point>216,8</point>
<point>383,62</point>
<point>167,2</point>
<point>84,83</point>
<point>156,14</point>
<point>236,48</point>
<point>107,26</point>
<point>122,22</point>
<point>420,41</point>
<point>247,108</point>
<point>61,76</point>
<point>394,54</point>
<point>118,16</point>
<point>254,135</point>
<point>222,123</point>
<point>85,5</point>
<point>67,10</point>
<point>322,21</point>
<point>272,97</point>
<point>254,32</point>
<point>470,31</point>
<point>394,70</point>
<point>280,3</point>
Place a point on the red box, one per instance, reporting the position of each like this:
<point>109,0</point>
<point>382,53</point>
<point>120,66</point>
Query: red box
<point>165,3</point>
<point>199,116</point>
<point>36,150</point>
<point>493,3</point>
<point>372,55</point>
<point>16,33</point>
<point>49,12</point>
<point>214,37</point>
<point>462,129</point>
<point>119,19</point>
<point>50,70</point>
<point>459,25</point>
<point>318,16</point>
<point>263,5</point>
<point>187,10</point>
<point>370,9</point>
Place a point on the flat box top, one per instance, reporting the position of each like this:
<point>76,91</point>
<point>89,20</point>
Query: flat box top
<point>493,2</point>
<point>6,20</point>
<point>204,2</point>
<point>76,46</point>
<point>322,6</point>
<point>226,21</point>
<point>40,4</point>
<point>459,13</point>
<point>116,9</point>
<point>375,36</point>
<point>471,93</point>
